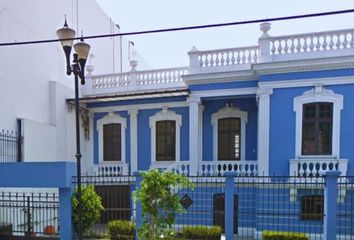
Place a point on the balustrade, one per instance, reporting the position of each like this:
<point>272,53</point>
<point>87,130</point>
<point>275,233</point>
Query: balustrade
<point>111,169</point>
<point>317,167</point>
<point>312,42</point>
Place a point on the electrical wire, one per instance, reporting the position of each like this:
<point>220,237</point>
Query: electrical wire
<point>187,28</point>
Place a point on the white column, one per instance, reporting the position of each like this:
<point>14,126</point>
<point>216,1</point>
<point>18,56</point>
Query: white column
<point>263,95</point>
<point>194,136</point>
<point>133,113</point>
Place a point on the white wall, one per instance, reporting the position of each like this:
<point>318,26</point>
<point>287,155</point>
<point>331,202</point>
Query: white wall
<point>33,83</point>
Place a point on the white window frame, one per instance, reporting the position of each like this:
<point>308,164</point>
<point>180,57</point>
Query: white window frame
<point>109,119</point>
<point>318,94</point>
<point>229,111</point>
<point>164,115</point>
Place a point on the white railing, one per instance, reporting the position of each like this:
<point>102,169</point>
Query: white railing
<point>161,76</point>
<point>218,168</point>
<point>182,167</point>
<point>269,49</point>
<point>108,169</point>
<point>317,167</point>
<point>312,42</point>
<point>118,80</point>
<point>135,81</point>
<point>228,57</point>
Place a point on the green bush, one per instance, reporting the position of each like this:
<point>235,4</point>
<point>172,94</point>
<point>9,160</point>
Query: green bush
<point>272,235</point>
<point>202,232</point>
<point>91,206</point>
<point>121,230</point>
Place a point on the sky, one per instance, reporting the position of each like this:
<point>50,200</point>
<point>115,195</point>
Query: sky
<point>163,50</point>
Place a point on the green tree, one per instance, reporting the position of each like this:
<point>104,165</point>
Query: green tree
<point>158,195</point>
<point>91,208</point>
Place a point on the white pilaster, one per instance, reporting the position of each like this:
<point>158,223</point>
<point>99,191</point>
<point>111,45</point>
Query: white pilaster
<point>133,113</point>
<point>263,95</point>
<point>194,136</point>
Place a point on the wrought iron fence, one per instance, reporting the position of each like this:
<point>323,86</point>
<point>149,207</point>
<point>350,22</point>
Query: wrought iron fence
<point>345,211</point>
<point>280,204</point>
<point>30,214</point>
<point>10,146</point>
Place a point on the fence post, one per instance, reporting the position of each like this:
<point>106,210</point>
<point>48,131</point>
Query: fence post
<point>138,179</point>
<point>66,225</point>
<point>229,205</point>
<point>330,205</point>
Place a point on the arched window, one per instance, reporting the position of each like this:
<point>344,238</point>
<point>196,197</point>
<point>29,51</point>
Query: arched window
<point>111,138</point>
<point>165,138</point>
<point>317,123</point>
<point>229,134</point>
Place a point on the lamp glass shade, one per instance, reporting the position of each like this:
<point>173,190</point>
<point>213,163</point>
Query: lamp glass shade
<point>82,49</point>
<point>65,33</point>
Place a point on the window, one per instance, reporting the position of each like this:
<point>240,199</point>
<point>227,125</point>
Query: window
<point>317,132</point>
<point>229,139</point>
<point>165,128</point>
<point>166,140</point>
<point>312,207</point>
<point>317,129</point>
<point>111,138</point>
<point>229,133</point>
<point>112,142</point>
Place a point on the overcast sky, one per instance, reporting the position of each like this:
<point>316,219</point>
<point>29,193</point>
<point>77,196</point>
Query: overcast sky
<point>170,49</point>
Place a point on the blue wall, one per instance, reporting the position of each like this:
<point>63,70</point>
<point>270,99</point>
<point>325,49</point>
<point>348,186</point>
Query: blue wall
<point>245,104</point>
<point>282,127</point>
<point>144,135</point>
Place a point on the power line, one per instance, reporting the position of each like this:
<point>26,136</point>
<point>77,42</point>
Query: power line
<point>189,27</point>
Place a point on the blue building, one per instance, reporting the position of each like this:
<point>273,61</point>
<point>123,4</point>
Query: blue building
<point>282,108</point>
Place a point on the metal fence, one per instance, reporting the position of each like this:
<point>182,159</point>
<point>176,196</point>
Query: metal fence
<point>345,211</point>
<point>116,196</point>
<point>29,214</point>
<point>10,146</point>
<point>280,204</point>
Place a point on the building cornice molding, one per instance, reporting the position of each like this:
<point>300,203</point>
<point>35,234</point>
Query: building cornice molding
<point>304,65</point>
<point>220,77</point>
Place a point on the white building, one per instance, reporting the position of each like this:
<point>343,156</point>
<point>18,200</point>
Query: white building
<point>33,81</point>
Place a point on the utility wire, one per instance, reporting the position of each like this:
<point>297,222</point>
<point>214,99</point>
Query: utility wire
<point>187,28</point>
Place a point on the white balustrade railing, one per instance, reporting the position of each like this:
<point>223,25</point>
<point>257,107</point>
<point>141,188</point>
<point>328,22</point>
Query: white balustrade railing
<point>312,42</point>
<point>182,167</point>
<point>119,80</point>
<point>317,167</point>
<point>269,48</point>
<point>228,57</point>
<point>218,168</point>
<point>110,169</point>
<point>161,76</point>
<point>135,81</point>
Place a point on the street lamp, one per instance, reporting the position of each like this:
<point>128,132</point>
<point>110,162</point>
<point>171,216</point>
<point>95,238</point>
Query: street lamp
<point>82,49</point>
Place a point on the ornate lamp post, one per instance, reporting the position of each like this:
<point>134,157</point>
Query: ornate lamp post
<point>82,49</point>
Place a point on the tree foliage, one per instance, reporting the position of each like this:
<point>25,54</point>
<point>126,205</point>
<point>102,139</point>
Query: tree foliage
<point>91,208</point>
<point>158,195</point>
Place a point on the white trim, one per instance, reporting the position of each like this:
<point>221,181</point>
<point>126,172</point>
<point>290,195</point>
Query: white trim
<point>133,113</point>
<point>139,107</point>
<point>111,118</point>
<point>165,114</point>
<point>318,94</point>
<point>194,134</point>
<point>224,92</point>
<point>229,112</point>
<point>308,82</point>
<point>263,97</point>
